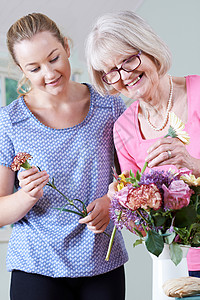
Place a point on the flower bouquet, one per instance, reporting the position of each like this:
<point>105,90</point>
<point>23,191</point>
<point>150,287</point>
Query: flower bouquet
<point>160,207</point>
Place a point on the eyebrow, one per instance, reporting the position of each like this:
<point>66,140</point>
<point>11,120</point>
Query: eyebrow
<point>34,63</point>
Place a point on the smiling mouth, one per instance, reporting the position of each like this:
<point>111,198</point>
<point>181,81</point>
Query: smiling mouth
<point>53,82</point>
<point>135,80</point>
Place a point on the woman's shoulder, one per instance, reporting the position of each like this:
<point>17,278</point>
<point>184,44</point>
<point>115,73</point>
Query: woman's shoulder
<point>193,81</point>
<point>15,111</point>
<point>103,100</point>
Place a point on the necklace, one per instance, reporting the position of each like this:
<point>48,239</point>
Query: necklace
<point>169,106</point>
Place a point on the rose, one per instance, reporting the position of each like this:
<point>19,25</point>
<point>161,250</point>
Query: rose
<point>177,195</point>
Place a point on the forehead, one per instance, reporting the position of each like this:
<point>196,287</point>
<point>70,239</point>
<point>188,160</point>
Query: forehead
<point>115,60</point>
<point>40,45</point>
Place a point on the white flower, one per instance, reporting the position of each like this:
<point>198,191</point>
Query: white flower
<point>176,129</point>
<point>191,179</point>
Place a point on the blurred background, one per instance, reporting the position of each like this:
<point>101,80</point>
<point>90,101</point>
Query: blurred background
<point>177,22</point>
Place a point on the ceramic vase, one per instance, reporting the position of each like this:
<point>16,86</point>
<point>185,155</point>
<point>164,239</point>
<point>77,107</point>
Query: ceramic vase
<point>164,269</point>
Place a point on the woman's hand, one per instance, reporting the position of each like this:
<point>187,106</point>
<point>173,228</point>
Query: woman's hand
<point>171,151</point>
<point>98,217</point>
<point>32,182</point>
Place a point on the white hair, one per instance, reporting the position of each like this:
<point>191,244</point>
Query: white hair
<point>118,33</point>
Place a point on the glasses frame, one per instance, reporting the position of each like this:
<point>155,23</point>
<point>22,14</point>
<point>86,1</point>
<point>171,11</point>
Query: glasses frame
<point>121,68</point>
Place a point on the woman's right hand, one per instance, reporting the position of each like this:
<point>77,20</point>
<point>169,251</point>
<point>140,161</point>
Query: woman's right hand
<point>32,182</point>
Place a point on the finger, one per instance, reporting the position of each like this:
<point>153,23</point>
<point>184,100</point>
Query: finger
<point>163,157</point>
<point>37,183</point>
<point>29,179</point>
<point>24,174</point>
<point>99,229</point>
<point>162,141</point>
<point>38,190</point>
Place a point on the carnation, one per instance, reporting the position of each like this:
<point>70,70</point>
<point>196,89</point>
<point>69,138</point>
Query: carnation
<point>20,160</point>
<point>146,196</point>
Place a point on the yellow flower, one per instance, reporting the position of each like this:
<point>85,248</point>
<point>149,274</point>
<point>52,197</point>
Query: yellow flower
<point>191,179</point>
<point>122,182</point>
<point>176,129</point>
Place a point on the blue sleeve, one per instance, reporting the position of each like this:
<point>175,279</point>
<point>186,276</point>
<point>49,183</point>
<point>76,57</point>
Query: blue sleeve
<point>7,152</point>
<point>118,107</point>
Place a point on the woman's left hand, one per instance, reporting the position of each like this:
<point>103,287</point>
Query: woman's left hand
<point>98,217</point>
<point>171,151</point>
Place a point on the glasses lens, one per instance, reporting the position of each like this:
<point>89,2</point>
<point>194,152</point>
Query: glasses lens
<point>131,63</point>
<point>112,77</point>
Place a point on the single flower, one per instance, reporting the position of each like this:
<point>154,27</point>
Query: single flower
<point>146,196</point>
<point>176,129</point>
<point>190,179</point>
<point>21,160</point>
<point>177,195</point>
<point>122,182</point>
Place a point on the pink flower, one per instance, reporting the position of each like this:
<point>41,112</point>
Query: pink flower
<point>122,195</point>
<point>177,195</point>
<point>19,160</point>
<point>182,172</point>
<point>146,196</point>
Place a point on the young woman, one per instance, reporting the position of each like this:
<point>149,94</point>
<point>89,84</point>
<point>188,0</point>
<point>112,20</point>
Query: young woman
<point>67,128</point>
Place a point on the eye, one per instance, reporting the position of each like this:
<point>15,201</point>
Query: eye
<point>34,70</point>
<point>54,59</point>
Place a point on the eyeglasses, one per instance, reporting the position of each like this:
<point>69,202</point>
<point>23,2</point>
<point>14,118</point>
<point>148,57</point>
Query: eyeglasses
<point>129,65</point>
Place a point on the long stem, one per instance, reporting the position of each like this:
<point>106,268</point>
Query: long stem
<point>112,239</point>
<point>69,201</point>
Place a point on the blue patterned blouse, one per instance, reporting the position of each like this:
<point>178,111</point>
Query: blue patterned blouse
<point>80,159</point>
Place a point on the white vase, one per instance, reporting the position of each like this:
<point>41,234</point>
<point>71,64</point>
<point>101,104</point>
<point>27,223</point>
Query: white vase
<point>164,269</point>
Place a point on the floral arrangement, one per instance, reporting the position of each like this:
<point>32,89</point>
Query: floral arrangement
<point>159,206</point>
<point>22,160</point>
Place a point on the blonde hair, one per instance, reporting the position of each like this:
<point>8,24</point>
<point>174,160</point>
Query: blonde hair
<point>25,28</point>
<point>118,33</point>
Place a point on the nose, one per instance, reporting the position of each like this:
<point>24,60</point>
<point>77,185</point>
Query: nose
<point>49,72</point>
<point>124,74</point>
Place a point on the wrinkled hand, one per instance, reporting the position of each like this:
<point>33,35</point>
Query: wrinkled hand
<point>171,151</point>
<point>32,182</point>
<point>98,217</point>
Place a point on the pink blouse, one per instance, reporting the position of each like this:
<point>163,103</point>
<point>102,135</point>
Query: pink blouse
<point>132,148</point>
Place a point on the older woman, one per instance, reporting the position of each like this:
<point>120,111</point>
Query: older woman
<point>125,56</point>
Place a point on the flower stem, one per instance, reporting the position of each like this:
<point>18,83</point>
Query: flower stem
<point>112,239</point>
<point>144,168</point>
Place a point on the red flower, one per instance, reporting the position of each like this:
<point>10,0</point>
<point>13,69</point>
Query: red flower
<point>19,160</point>
<point>146,196</point>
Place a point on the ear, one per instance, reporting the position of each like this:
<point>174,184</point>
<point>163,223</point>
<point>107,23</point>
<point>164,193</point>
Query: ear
<point>66,46</point>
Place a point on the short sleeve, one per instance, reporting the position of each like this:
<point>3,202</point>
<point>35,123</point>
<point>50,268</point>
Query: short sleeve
<point>7,152</point>
<point>118,107</point>
<point>126,162</point>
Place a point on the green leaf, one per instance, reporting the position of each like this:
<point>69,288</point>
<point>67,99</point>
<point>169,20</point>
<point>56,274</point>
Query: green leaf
<point>198,209</point>
<point>137,242</point>
<point>154,242</point>
<point>185,217</point>
<point>159,220</point>
<point>132,174</point>
<point>169,238</point>
<point>138,176</point>
<point>176,253</point>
